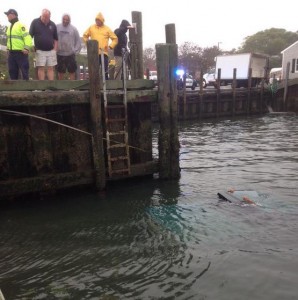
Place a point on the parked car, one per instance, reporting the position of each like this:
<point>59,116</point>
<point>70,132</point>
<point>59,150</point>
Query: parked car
<point>209,78</point>
<point>189,82</point>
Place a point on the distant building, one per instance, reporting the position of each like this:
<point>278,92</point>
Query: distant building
<point>290,55</point>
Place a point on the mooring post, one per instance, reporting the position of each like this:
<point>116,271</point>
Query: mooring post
<point>168,141</point>
<point>234,84</point>
<point>95,113</point>
<point>262,92</point>
<point>249,82</point>
<point>136,46</point>
<point>201,94</point>
<point>218,92</point>
<point>170,34</point>
<point>286,83</point>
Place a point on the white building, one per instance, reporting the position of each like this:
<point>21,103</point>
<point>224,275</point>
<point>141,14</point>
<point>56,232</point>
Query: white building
<point>290,55</point>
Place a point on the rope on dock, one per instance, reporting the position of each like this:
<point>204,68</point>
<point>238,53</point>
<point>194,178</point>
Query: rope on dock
<point>13,112</point>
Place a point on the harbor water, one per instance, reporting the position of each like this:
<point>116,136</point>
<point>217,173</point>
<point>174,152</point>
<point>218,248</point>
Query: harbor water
<point>152,239</point>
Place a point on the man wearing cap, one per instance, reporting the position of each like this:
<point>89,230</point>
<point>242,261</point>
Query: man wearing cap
<point>120,50</point>
<point>102,34</point>
<point>19,43</point>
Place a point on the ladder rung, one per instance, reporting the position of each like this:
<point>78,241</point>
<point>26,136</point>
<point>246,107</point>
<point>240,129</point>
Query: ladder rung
<point>115,106</point>
<point>119,158</point>
<point>116,120</point>
<point>120,171</point>
<point>117,146</point>
<point>116,133</point>
<point>117,92</point>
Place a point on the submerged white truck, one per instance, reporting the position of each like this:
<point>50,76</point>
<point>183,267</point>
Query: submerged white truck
<point>242,62</point>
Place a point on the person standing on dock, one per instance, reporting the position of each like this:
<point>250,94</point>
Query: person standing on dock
<point>102,34</point>
<point>121,51</point>
<point>69,44</point>
<point>44,32</point>
<point>19,43</point>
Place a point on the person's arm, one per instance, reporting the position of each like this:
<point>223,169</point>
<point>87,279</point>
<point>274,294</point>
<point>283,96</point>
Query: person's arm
<point>77,42</point>
<point>114,39</point>
<point>55,36</point>
<point>31,29</point>
<point>27,40</point>
<point>86,35</point>
<point>55,45</point>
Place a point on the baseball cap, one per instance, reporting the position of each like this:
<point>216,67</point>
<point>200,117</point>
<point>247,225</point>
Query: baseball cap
<point>11,11</point>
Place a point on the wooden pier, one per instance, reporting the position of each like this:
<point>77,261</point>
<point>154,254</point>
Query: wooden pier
<point>63,134</point>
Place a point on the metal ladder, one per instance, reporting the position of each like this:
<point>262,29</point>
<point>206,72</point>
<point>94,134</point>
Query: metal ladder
<point>117,147</point>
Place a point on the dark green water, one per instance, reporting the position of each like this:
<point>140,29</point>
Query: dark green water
<point>174,239</point>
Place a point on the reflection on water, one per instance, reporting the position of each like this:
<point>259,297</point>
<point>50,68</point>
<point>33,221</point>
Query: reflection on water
<point>172,239</point>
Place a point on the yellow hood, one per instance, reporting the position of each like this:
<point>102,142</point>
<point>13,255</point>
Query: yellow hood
<point>100,17</point>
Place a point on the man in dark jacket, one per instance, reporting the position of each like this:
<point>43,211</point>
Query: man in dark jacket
<point>44,32</point>
<point>120,50</point>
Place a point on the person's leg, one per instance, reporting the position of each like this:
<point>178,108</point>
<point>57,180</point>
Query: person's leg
<point>23,63</point>
<point>40,64</point>
<point>106,62</point>
<point>118,67</point>
<point>61,67</point>
<point>41,73</point>
<point>72,76</point>
<point>13,68</point>
<point>50,73</point>
<point>71,66</point>
<point>51,63</point>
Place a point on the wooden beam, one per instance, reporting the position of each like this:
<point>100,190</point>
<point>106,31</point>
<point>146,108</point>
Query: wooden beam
<point>96,115</point>
<point>45,183</point>
<point>170,34</point>
<point>44,98</point>
<point>167,61</point>
<point>66,85</point>
<point>136,49</point>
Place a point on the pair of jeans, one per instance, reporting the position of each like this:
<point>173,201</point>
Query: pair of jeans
<point>18,61</point>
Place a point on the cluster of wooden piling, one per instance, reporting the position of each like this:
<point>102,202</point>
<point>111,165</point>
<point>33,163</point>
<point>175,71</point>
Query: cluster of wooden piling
<point>53,133</point>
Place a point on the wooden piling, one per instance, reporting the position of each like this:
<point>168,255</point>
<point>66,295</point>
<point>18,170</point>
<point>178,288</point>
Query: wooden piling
<point>201,95</point>
<point>136,46</point>
<point>249,82</point>
<point>234,91</point>
<point>170,34</point>
<point>284,102</point>
<point>96,115</point>
<point>218,92</point>
<point>167,61</point>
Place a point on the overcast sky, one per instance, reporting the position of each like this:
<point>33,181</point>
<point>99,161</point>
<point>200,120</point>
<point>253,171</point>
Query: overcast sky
<point>204,23</point>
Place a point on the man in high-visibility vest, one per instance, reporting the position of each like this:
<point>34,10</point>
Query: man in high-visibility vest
<point>19,43</point>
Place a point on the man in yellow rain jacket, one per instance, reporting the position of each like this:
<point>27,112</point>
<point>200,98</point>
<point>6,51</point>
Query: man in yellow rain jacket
<point>19,42</point>
<point>102,34</point>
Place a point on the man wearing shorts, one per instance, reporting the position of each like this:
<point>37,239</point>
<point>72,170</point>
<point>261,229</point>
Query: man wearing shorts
<point>69,44</point>
<point>44,33</point>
